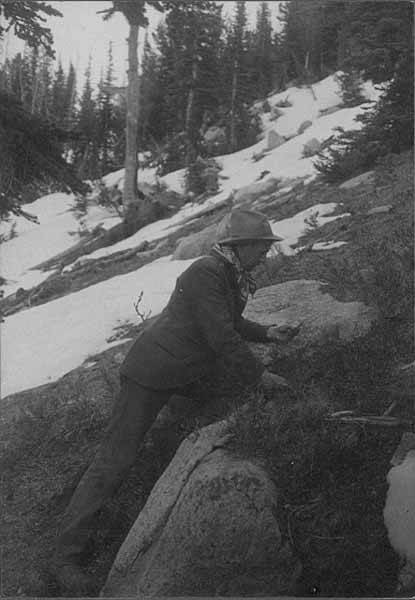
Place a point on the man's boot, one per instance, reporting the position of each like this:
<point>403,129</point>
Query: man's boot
<point>72,581</point>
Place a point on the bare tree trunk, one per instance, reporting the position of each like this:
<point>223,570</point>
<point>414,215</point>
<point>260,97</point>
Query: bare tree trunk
<point>308,74</point>
<point>233,102</point>
<point>189,112</point>
<point>133,107</point>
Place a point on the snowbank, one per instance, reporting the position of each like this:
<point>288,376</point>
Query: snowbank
<point>293,228</point>
<point>42,344</point>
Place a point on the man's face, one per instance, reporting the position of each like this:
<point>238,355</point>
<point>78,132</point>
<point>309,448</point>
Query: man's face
<point>253,254</point>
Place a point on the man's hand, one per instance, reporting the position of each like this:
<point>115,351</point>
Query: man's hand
<point>272,384</point>
<point>283,333</point>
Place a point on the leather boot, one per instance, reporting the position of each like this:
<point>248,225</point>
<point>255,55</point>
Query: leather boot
<point>72,581</point>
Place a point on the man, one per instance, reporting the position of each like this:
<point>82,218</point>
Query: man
<point>201,322</point>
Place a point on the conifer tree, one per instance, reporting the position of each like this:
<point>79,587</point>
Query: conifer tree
<point>189,74</point>
<point>104,134</point>
<point>150,96</point>
<point>70,97</point>
<point>86,158</point>
<point>261,52</point>
<point>58,93</point>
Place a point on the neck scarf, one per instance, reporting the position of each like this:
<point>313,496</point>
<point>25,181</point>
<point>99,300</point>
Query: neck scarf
<point>246,283</point>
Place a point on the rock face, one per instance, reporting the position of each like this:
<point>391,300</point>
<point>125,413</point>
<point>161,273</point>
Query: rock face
<point>206,529</point>
<point>379,210</point>
<point>252,192</point>
<point>323,317</point>
<point>196,244</point>
<point>311,147</point>
<point>274,140</point>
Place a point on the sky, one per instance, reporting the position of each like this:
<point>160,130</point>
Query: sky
<point>82,32</point>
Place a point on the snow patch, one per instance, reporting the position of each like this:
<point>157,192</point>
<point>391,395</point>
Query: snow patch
<point>399,512</point>
<point>81,324</point>
<point>293,228</point>
<point>327,245</point>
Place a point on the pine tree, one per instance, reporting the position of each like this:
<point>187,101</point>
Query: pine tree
<point>376,39</point>
<point>236,84</point>
<point>189,74</point>
<point>70,97</point>
<point>85,155</point>
<point>30,155</point>
<point>26,17</point>
<point>150,97</point>
<point>301,39</point>
<point>45,86</point>
<point>58,97</point>
<point>105,138</point>
<point>261,52</point>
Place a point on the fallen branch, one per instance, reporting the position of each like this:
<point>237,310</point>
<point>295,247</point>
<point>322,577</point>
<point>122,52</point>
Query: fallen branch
<point>379,421</point>
<point>141,315</point>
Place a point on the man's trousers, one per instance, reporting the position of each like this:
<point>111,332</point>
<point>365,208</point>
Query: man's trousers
<point>135,410</point>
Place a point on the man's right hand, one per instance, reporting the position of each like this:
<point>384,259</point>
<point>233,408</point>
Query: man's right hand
<point>272,384</point>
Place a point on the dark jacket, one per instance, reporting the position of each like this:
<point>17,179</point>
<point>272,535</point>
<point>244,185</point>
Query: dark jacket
<point>201,322</point>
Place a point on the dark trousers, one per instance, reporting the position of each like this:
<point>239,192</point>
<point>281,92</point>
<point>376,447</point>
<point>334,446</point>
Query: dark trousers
<point>134,412</point>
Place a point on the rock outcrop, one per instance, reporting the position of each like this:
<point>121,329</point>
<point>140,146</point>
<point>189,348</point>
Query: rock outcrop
<point>323,318</point>
<point>274,140</point>
<point>304,125</point>
<point>208,528</point>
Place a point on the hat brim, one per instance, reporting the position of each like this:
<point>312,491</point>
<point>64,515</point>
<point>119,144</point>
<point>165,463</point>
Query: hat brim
<point>273,238</point>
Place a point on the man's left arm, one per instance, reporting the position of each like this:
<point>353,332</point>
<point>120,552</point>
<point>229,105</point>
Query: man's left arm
<point>254,332</point>
<point>251,331</point>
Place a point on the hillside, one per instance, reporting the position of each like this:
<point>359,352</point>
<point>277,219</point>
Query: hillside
<point>67,325</point>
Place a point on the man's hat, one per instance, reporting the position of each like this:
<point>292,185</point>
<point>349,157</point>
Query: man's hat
<point>243,225</point>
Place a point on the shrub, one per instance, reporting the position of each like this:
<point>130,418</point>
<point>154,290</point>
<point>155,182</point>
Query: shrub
<point>326,476</point>
<point>202,176</point>
<point>351,88</point>
<point>285,103</point>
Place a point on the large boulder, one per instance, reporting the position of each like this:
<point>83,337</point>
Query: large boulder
<point>274,140</point>
<point>304,125</point>
<point>399,512</point>
<point>196,244</point>
<point>208,528</point>
<point>253,191</point>
<point>323,318</point>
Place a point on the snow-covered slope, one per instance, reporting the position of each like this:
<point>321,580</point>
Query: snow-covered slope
<point>40,344</point>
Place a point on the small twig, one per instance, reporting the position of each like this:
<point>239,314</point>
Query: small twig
<point>136,305</point>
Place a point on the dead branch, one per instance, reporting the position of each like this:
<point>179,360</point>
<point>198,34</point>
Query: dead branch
<point>143,316</point>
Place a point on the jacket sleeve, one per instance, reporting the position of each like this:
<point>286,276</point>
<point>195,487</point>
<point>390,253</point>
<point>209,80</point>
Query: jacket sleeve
<point>251,331</point>
<point>205,291</point>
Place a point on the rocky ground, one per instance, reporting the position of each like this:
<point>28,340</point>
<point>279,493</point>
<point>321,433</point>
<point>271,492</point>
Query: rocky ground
<point>331,508</point>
